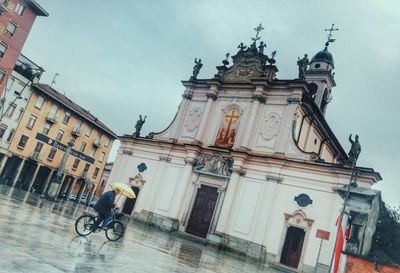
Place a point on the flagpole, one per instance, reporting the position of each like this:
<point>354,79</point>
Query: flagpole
<point>342,212</point>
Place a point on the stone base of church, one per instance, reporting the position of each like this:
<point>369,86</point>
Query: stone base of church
<point>221,241</point>
<point>150,218</point>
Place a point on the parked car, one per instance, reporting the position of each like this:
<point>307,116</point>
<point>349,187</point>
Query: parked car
<point>72,198</point>
<point>83,200</point>
<point>92,204</point>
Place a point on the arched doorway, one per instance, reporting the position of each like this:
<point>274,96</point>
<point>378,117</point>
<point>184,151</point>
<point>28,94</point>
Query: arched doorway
<point>130,203</point>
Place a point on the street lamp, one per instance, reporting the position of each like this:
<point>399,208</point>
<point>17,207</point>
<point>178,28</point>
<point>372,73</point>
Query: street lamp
<point>55,182</point>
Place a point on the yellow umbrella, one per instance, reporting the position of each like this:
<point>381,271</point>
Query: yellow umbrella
<point>124,189</point>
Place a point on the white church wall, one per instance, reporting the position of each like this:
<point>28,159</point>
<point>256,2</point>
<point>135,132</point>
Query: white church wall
<point>166,199</point>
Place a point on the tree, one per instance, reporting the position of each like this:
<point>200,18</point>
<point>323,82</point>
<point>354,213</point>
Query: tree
<point>386,247</point>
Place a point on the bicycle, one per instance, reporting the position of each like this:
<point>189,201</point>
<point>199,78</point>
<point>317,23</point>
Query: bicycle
<point>85,225</point>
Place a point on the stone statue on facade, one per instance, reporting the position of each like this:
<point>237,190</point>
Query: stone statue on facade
<point>196,69</point>
<point>261,47</point>
<point>355,151</point>
<point>139,125</point>
<point>241,47</point>
<point>303,66</point>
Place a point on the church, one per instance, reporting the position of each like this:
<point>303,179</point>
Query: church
<point>248,163</point>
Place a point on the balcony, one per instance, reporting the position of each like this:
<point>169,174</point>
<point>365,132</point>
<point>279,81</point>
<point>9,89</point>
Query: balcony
<point>84,175</point>
<point>52,117</point>
<point>97,143</point>
<point>37,156</point>
<point>76,132</point>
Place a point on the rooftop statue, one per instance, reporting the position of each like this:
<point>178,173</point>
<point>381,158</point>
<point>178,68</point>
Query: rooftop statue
<point>303,66</point>
<point>196,69</point>
<point>354,152</point>
<point>261,47</point>
<point>139,125</point>
<point>241,47</point>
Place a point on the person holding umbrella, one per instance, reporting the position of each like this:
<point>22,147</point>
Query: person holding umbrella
<point>107,202</point>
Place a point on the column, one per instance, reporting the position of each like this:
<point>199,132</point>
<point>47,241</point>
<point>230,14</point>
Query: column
<point>21,165</point>
<point>230,197</point>
<point>61,187</point>
<point>46,183</point>
<point>3,163</point>
<point>183,187</point>
<point>185,213</point>
<point>34,177</point>
<point>285,135</point>
<point>211,96</point>
<point>251,120</point>
<point>81,191</point>
<point>71,187</point>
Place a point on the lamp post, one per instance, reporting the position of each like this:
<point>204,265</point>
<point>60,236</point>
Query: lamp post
<point>55,182</point>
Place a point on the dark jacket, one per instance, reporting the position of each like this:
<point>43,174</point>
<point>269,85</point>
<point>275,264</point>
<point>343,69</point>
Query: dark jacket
<point>105,203</point>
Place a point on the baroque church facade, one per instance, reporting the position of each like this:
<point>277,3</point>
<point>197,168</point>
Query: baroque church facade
<point>249,161</point>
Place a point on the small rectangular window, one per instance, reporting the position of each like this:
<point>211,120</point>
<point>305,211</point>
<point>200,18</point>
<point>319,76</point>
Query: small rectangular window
<point>52,154</point>
<point>101,157</point>
<point>19,9</point>
<point>107,142</point>
<point>86,169</point>
<point>60,134</point>
<point>78,123</point>
<point>39,102</point>
<point>31,121</point>
<point>46,128</point>
<point>83,146</point>
<point>39,146</point>
<point>89,130</point>
<point>2,75</point>
<point>11,27</point>
<point>96,172</point>
<point>10,135</point>
<point>21,111</point>
<point>3,48</point>
<point>76,164</point>
<point>10,110</point>
<point>22,142</point>
<point>93,151</point>
<point>3,129</point>
<point>66,118</point>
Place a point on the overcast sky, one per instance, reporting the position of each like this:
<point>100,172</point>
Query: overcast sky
<point>124,58</point>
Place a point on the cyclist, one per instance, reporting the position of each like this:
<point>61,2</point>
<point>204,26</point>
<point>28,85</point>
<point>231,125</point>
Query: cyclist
<point>104,205</point>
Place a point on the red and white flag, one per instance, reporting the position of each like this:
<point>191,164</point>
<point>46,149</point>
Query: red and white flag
<point>340,241</point>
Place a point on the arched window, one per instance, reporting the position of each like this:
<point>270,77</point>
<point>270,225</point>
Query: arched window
<point>228,128</point>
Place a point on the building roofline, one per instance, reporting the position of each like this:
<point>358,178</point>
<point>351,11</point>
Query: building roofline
<point>78,110</point>
<point>40,11</point>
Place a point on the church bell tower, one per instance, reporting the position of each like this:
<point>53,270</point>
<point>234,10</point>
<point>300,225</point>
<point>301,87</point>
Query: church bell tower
<point>320,75</point>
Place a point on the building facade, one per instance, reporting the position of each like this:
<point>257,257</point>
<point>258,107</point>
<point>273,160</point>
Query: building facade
<point>50,123</point>
<point>16,20</point>
<point>249,161</point>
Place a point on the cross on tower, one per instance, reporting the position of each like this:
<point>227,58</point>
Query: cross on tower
<point>330,40</point>
<point>257,29</point>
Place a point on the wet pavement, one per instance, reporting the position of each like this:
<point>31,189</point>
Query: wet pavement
<point>37,235</point>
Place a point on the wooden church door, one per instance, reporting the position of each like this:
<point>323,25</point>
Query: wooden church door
<point>130,203</point>
<point>202,212</point>
<point>292,247</point>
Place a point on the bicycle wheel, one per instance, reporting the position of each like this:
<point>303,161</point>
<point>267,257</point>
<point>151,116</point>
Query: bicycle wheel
<point>84,225</point>
<point>114,231</point>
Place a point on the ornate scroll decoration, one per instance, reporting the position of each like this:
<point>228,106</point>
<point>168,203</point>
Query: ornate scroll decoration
<point>270,126</point>
<point>214,165</point>
<point>193,120</point>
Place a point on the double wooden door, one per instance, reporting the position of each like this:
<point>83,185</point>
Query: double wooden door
<point>202,212</point>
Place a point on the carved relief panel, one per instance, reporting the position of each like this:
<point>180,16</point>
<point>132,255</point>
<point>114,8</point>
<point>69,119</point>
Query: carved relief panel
<point>192,122</point>
<point>228,128</point>
<point>270,126</point>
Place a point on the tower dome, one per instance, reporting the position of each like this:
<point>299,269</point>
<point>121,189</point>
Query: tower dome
<point>323,56</point>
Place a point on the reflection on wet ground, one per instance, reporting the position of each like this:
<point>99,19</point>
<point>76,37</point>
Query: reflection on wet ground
<point>37,235</point>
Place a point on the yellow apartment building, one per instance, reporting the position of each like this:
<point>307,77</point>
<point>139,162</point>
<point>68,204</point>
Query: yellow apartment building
<point>49,122</point>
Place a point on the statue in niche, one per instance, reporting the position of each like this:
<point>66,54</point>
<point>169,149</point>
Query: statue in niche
<point>303,66</point>
<point>228,129</point>
<point>139,125</point>
<point>196,69</point>
<point>355,151</point>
